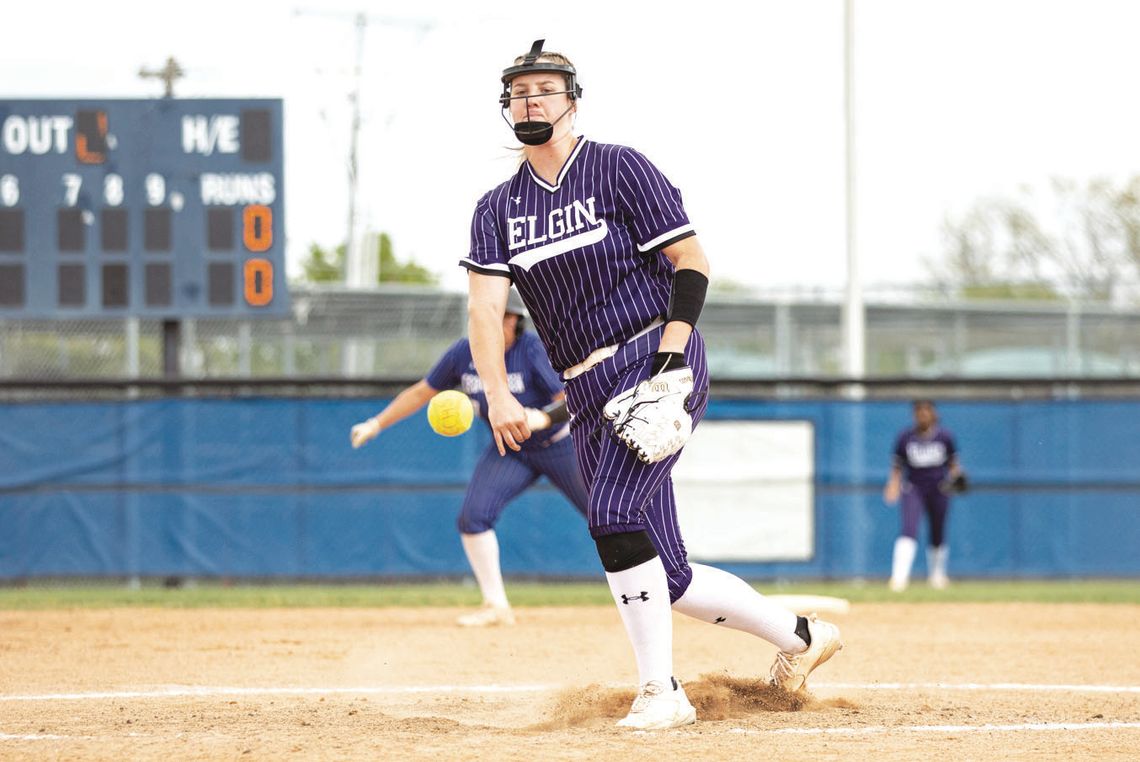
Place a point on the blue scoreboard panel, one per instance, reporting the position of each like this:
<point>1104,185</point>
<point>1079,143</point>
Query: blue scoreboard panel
<point>159,208</point>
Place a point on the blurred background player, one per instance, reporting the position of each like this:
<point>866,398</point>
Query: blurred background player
<point>497,480</point>
<point>924,470</point>
<point>598,243</point>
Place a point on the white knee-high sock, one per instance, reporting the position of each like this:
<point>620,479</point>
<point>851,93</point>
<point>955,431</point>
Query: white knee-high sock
<point>718,597</point>
<point>936,560</point>
<point>903,559</point>
<point>483,554</point>
<point>642,598</point>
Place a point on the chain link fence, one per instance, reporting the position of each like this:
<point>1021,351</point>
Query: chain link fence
<point>398,332</point>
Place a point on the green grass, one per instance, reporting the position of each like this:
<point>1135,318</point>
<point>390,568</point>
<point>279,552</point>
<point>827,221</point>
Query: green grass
<point>379,595</point>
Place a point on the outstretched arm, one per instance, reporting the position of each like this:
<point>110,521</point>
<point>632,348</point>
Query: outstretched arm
<point>406,402</point>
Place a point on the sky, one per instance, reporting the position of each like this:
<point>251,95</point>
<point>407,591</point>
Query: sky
<point>740,104</point>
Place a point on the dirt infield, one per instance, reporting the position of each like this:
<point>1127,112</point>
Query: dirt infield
<point>936,681</point>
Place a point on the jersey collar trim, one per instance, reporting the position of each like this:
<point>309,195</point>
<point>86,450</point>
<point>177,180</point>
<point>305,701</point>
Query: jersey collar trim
<point>562,172</point>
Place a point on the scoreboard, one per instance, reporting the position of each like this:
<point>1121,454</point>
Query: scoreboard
<point>159,208</point>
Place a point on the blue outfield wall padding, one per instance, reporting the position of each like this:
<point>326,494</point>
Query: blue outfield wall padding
<point>270,487</point>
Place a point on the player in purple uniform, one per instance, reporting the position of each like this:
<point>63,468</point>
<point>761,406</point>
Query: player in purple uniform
<point>924,470</point>
<point>598,243</point>
<point>497,480</point>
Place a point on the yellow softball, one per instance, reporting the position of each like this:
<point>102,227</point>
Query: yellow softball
<point>450,413</point>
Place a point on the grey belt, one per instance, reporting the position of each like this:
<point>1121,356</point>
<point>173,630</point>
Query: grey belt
<point>604,353</point>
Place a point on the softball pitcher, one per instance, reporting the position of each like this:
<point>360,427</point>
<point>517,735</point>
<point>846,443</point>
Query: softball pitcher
<point>598,243</point>
<point>498,480</point>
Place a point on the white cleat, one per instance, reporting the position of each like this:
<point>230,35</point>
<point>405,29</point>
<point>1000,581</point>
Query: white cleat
<point>790,671</point>
<point>939,581</point>
<point>897,585</point>
<point>488,616</point>
<point>657,708</point>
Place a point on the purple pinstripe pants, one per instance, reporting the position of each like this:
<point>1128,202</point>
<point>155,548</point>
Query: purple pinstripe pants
<point>627,495</point>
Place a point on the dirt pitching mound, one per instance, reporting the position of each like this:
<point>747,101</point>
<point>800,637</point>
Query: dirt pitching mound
<point>577,707</point>
<point>416,725</point>
<point>716,697</point>
<point>837,703</point>
<point>720,697</point>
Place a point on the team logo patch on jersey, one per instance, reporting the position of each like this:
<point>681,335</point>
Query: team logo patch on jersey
<point>925,454</point>
<point>472,384</point>
<point>564,229</point>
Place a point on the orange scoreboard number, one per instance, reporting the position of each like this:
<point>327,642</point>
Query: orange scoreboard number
<point>91,136</point>
<point>258,280</point>
<point>257,227</point>
<point>257,235</point>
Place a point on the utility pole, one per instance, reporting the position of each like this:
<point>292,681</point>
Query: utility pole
<point>171,336</point>
<point>168,74</point>
<point>361,271</point>
<point>171,328</point>
<point>355,268</point>
<point>854,316</point>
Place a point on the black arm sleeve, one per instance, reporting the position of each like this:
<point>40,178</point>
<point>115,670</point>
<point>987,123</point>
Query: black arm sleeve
<point>687,298</point>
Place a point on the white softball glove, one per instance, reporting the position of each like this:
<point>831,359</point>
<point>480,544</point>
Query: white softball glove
<point>651,417</point>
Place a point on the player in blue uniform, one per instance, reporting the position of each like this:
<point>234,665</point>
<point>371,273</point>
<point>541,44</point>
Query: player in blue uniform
<point>924,470</point>
<point>498,480</point>
<point>598,243</point>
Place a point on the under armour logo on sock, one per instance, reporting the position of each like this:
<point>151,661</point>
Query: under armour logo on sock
<point>719,619</point>
<point>643,597</point>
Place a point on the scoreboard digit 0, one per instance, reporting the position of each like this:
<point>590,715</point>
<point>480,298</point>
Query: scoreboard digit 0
<point>158,208</point>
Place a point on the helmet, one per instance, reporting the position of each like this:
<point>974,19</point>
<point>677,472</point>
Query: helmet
<point>532,64</point>
<point>515,304</point>
<point>534,132</point>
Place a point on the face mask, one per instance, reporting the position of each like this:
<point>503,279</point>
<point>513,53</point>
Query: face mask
<point>533,132</point>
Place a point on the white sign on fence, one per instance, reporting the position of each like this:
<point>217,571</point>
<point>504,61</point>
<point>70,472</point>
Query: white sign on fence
<point>745,491</point>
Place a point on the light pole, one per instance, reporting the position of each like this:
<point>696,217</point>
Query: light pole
<point>853,320</point>
<point>361,271</point>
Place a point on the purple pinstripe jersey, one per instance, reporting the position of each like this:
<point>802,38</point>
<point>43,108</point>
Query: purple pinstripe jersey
<point>924,458</point>
<point>584,252</point>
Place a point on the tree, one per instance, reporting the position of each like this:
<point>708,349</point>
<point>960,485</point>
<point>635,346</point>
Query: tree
<point>323,266</point>
<point>393,271</point>
<point>1081,242</point>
